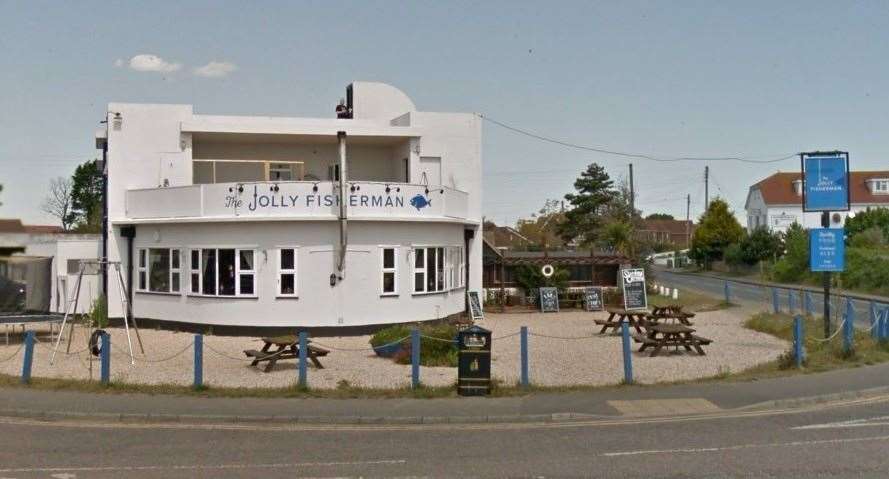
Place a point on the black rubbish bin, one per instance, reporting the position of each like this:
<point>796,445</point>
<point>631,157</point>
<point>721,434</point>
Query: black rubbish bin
<point>474,362</point>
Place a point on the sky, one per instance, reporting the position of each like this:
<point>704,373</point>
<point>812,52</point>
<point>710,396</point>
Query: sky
<point>708,79</point>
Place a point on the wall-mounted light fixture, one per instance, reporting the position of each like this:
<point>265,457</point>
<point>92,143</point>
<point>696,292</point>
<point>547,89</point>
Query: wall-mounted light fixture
<point>315,188</point>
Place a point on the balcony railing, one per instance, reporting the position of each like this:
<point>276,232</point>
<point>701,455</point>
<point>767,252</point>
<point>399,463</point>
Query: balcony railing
<point>299,199</point>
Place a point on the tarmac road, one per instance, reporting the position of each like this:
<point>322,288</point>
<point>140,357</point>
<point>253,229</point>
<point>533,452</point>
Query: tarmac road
<point>748,294</point>
<point>819,442</point>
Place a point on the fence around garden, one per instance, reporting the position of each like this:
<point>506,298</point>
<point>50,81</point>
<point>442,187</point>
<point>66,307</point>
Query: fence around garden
<point>780,300</point>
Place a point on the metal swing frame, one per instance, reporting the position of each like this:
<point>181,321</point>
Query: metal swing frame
<point>71,309</point>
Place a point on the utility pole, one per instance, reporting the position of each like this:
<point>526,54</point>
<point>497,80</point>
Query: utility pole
<point>706,188</point>
<point>632,194</point>
<point>687,221</point>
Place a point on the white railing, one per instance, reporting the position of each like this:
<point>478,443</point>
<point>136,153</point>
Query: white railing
<point>298,199</point>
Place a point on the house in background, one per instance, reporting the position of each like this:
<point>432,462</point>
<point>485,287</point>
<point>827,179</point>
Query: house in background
<point>667,231</point>
<point>505,237</point>
<point>776,202</point>
<point>15,237</point>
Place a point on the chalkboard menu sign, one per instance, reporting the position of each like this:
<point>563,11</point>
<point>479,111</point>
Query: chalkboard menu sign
<point>633,283</point>
<point>549,300</point>
<point>475,306</point>
<point>592,299</point>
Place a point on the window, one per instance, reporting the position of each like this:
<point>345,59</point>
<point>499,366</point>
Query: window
<point>159,270</point>
<point>280,172</point>
<point>880,187</point>
<point>389,270</point>
<point>223,272</point>
<point>287,272</point>
<point>438,269</point>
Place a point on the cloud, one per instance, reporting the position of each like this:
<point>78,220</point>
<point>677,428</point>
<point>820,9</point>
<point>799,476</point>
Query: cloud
<point>152,63</point>
<point>215,69</point>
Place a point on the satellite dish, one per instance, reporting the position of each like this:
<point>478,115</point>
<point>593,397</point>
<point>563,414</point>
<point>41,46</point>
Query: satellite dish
<point>547,270</point>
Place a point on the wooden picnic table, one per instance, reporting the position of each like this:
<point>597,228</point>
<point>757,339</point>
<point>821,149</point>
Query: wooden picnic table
<point>658,336</point>
<point>617,316</point>
<point>664,316</point>
<point>287,348</point>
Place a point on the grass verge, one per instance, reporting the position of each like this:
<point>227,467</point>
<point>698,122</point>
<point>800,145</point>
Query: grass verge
<point>820,356</point>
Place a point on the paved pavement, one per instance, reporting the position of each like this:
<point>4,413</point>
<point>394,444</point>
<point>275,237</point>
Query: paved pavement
<point>746,293</point>
<point>838,441</point>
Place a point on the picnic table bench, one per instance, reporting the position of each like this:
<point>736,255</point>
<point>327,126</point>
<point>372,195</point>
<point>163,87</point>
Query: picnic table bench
<point>287,348</point>
<point>658,336</point>
<point>617,316</point>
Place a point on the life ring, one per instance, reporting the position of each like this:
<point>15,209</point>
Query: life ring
<point>95,347</point>
<point>547,270</point>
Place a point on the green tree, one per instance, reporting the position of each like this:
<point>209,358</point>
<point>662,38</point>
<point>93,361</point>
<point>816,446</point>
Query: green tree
<point>794,265</point>
<point>542,228</point>
<point>865,220</point>
<point>86,197</point>
<point>760,245</point>
<point>531,278</point>
<point>660,216</point>
<point>584,219</point>
<point>619,237</point>
<point>717,229</point>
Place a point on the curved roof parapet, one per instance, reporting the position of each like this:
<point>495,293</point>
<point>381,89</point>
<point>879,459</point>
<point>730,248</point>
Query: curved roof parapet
<point>379,101</point>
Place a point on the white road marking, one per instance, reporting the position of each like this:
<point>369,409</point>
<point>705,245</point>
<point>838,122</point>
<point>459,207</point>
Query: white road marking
<point>746,446</point>
<point>190,467</point>
<point>64,475</point>
<point>867,422</point>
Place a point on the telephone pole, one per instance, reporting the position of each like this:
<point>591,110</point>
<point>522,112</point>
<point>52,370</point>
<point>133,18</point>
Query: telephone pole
<point>632,194</point>
<point>687,221</point>
<point>706,188</point>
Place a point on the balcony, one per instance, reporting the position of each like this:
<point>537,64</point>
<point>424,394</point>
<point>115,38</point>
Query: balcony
<point>295,200</point>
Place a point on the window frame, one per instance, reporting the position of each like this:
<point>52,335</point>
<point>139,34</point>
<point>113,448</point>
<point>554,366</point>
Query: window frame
<point>143,270</point>
<point>384,270</point>
<point>279,271</point>
<point>238,272</point>
<point>448,269</point>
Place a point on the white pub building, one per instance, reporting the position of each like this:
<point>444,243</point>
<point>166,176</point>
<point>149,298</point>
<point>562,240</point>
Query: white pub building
<point>368,218</point>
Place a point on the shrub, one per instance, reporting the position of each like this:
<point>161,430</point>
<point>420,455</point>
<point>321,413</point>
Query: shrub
<point>872,237</point>
<point>734,255</point>
<point>441,351</point>
<point>98,313</point>
<point>866,270</point>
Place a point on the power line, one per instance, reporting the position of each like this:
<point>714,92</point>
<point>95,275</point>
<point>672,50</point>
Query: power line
<point>625,154</point>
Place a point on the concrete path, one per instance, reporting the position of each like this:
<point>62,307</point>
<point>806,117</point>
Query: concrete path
<point>604,402</point>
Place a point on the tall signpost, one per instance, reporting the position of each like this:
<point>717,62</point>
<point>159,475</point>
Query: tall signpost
<point>826,189</point>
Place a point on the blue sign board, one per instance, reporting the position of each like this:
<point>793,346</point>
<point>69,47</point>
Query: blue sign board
<point>827,250</point>
<point>826,183</point>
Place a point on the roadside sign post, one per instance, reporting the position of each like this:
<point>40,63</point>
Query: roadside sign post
<point>826,188</point>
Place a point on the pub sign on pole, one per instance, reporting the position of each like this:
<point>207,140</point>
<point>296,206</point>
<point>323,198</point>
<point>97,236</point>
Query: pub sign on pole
<point>827,249</point>
<point>825,181</point>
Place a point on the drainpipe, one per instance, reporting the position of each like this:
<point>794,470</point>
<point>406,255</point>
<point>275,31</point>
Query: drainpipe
<point>341,260</point>
<point>129,232</point>
<point>105,222</point>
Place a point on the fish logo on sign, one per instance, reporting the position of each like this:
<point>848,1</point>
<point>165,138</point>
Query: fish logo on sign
<point>419,202</point>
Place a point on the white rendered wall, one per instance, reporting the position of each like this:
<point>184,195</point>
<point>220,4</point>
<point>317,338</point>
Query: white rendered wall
<point>357,299</point>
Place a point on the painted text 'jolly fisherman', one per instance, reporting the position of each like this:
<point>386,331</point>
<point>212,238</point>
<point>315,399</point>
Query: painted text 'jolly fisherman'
<point>263,201</point>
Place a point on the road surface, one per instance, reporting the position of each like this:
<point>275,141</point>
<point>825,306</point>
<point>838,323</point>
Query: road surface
<point>748,294</point>
<point>818,442</point>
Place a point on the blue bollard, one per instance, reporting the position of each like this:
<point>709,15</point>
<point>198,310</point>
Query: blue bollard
<point>776,305</point>
<point>791,304</point>
<point>884,325</point>
<point>874,317</point>
<point>105,358</point>
<point>415,358</point>
<point>728,294</point>
<point>799,351</point>
<point>807,299</point>
<point>872,311</point>
<point>303,379</point>
<point>29,357</point>
<point>628,358</point>
<point>198,361</point>
<point>524,347</point>
<point>848,327</point>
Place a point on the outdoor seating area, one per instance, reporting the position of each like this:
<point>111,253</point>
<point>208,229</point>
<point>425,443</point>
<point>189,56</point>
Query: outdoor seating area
<point>662,327</point>
<point>564,349</point>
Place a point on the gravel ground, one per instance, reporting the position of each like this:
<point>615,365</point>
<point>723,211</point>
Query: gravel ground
<point>589,359</point>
